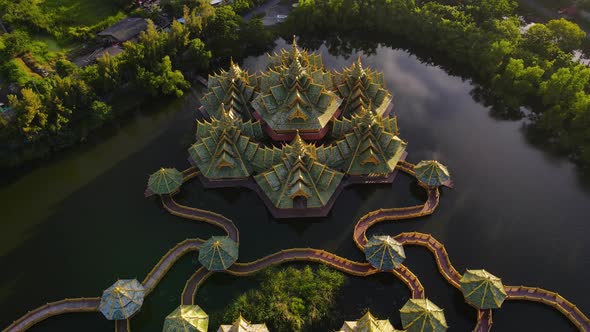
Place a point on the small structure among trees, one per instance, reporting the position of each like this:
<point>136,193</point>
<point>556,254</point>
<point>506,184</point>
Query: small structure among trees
<point>124,30</point>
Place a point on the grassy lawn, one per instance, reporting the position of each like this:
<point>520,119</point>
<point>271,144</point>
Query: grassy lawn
<point>79,12</point>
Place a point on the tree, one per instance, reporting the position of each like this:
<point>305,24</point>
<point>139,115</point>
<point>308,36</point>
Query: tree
<point>15,44</point>
<point>483,10</point>
<point>289,299</point>
<point>540,41</point>
<point>163,79</point>
<point>30,116</point>
<point>568,35</point>
<point>517,82</point>
<point>198,56</point>
<point>563,85</point>
<point>64,67</point>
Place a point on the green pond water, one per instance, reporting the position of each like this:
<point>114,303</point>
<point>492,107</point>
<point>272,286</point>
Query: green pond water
<point>73,225</point>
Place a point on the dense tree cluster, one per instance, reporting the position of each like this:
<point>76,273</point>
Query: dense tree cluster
<point>61,109</point>
<point>289,299</point>
<point>533,68</point>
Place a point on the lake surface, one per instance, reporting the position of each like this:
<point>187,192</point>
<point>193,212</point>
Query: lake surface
<point>73,226</point>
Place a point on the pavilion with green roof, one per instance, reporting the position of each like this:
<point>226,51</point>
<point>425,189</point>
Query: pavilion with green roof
<point>226,147</point>
<point>186,318</point>
<point>384,252</point>
<point>361,87</point>
<point>368,323</point>
<point>482,289</point>
<point>368,145</point>
<point>165,181</point>
<point>299,180</point>
<point>122,299</point>
<point>242,325</point>
<point>218,253</point>
<point>421,315</point>
<point>235,88</point>
<point>297,134</point>
<point>432,173</point>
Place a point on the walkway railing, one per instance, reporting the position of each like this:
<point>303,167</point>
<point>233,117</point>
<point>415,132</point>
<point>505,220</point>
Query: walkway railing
<point>552,299</point>
<point>53,309</point>
<point>201,215</point>
<point>443,262</point>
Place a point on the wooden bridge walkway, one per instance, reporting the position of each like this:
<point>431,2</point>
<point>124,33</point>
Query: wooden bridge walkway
<point>443,262</point>
<point>53,309</point>
<point>209,217</point>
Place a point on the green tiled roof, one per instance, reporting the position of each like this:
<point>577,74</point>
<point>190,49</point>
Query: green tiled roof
<point>242,325</point>
<point>122,299</point>
<point>421,315</point>
<point>368,323</point>
<point>362,88</point>
<point>218,253</point>
<point>165,181</point>
<point>187,318</point>
<point>295,93</point>
<point>234,88</point>
<point>482,289</point>
<point>225,147</point>
<point>370,146</point>
<point>384,253</point>
<point>299,175</point>
<point>432,173</point>
<point>286,57</point>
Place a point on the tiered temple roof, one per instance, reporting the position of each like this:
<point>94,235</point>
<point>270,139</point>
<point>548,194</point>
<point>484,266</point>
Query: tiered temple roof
<point>362,88</point>
<point>226,147</point>
<point>234,88</point>
<point>186,318</point>
<point>296,99</point>
<point>296,95</point>
<point>284,58</point>
<point>242,325</point>
<point>299,177</point>
<point>368,323</point>
<point>371,146</point>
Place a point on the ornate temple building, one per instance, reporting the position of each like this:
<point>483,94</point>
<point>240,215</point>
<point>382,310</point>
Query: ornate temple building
<point>297,134</point>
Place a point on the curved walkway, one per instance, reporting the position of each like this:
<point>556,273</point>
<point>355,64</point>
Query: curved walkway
<point>484,317</point>
<point>201,215</point>
<point>167,261</point>
<point>552,299</point>
<point>52,309</point>
<point>194,282</point>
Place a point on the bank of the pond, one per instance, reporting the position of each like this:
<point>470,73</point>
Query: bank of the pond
<point>75,225</point>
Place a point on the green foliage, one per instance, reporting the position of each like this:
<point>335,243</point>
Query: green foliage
<point>162,80</point>
<point>64,108</point>
<point>289,299</point>
<point>62,18</point>
<point>568,35</point>
<point>14,44</point>
<point>64,67</point>
<point>535,69</point>
<point>30,116</point>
